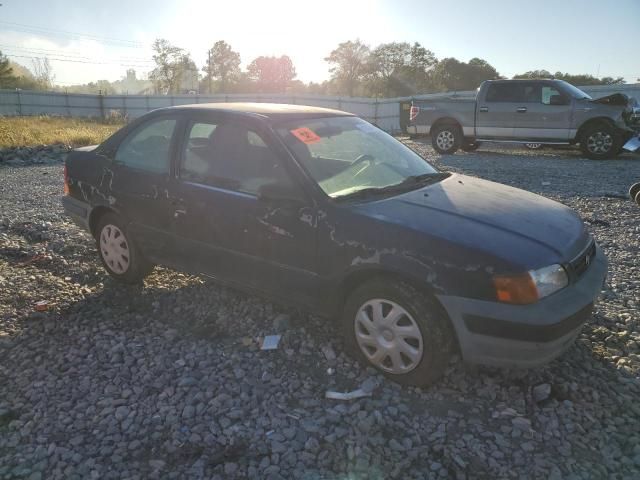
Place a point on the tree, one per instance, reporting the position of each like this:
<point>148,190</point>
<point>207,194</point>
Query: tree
<point>222,64</point>
<point>450,74</point>
<point>579,79</point>
<point>349,62</point>
<point>6,72</point>
<point>272,74</point>
<point>169,65</point>
<point>399,68</point>
<point>188,77</point>
<point>43,73</point>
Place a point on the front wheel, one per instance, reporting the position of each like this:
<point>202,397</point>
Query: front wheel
<point>446,139</point>
<point>398,330</point>
<point>119,254</point>
<point>600,142</point>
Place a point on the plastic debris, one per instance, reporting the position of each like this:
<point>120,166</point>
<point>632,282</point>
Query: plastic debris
<point>41,306</point>
<point>359,393</point>
<point>247,341</point>
<point>270,342</point>
<point>633,144</point>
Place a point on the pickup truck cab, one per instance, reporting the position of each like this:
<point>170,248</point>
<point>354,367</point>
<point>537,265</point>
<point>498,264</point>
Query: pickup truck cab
<point>528,111</point>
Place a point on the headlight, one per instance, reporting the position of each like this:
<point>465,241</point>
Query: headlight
<point>531,286</point>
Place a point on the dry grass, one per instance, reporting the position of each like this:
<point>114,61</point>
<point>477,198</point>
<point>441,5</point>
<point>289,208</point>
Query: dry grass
<point>43,130</point>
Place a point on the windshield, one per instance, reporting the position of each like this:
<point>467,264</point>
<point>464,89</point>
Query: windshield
<point>346,154</point>
<point>575,92</point>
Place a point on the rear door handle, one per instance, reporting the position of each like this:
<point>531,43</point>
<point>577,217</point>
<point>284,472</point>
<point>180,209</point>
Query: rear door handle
<point>521,109</point>
<point>483,109</point>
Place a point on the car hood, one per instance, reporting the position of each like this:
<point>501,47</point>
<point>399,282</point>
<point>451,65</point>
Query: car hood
<point>490,216</point>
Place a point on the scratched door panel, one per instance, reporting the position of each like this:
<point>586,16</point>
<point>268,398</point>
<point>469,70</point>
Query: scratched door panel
<point>138,181</point>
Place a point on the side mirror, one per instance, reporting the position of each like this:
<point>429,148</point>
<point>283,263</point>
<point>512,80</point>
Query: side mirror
<point>557,100</point>
<point>281,193</point>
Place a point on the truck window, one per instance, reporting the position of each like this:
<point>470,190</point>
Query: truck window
<point>504,92</point>
<point>548,92</point>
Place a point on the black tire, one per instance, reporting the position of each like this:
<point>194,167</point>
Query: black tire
<point>638,198</point>
<point>446,139</point>
<point>600,142</point>
<point>137,267</point>
<point>470,146</point>
<point>634,190</point>
<point>423,311</point>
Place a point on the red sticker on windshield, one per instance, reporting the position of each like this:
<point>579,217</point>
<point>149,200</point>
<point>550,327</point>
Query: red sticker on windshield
<point>305,135</point>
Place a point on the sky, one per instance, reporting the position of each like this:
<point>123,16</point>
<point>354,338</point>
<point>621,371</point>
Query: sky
<point>588,36</point>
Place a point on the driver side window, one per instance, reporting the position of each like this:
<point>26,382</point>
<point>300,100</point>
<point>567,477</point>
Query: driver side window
<point>147,148</point>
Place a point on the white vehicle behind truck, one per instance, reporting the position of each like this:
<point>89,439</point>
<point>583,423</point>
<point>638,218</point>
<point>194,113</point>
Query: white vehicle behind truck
<point>528,111</point>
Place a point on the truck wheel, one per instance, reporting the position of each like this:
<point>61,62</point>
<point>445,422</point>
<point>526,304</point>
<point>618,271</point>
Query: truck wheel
<point>470,146</point>
<point>634,190</point>
<point>120,256</point>
<point>600,142</point>
<point>398,330</point>
<point>446,139</point>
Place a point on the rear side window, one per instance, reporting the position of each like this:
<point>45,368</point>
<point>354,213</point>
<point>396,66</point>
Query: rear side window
<point>504,92</point>
<point>148,147</point>
<point>229,156</point>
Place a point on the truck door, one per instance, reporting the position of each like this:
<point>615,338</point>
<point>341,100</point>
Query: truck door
<point>543,114</point>
<point>496,110</point>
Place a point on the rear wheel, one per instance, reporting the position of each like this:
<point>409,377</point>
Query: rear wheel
<point>634,190</point>
<point>446,139</point>
<point>600,142</point>
<point>119,254</point>
<point>398,330</point>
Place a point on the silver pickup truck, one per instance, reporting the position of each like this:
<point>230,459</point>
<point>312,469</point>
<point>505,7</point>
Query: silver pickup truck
<point>528,111</point>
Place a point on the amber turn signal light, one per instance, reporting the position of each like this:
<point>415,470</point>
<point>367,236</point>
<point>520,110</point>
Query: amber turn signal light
<point>518,289</point>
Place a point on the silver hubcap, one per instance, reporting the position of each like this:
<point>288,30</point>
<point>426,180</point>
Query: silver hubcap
<point>388,336</point>
<point>599,142</point>
<point>114,248</point>
<point>445,140</point>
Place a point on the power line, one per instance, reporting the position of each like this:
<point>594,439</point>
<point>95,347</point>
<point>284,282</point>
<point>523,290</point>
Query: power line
<point>70,54</point>
<point>56,32</point>
<point>79,61</point>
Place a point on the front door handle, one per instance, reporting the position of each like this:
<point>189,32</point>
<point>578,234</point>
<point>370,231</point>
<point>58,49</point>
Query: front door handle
<point>521,109</point>
<point>483,109</point>
<point>179,212</point>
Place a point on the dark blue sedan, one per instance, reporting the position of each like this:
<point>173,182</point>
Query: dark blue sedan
<point>320,209</point>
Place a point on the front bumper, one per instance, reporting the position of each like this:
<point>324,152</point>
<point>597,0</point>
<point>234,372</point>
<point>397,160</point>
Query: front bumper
<point>499,334</point>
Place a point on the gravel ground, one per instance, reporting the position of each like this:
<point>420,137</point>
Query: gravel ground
<point>168,381</point>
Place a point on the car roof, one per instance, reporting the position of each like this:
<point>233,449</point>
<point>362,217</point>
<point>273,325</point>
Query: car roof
<point>275,111</point>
